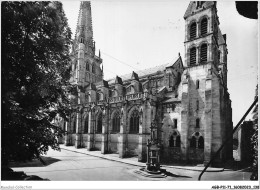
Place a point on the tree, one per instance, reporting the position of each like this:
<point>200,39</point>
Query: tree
<point>35,73</point>
<point>254,140</point>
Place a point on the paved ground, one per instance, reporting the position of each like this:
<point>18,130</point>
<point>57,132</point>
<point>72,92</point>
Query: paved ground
<point>69,165</point>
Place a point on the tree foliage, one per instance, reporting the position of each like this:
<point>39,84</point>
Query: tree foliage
<point>35,71</point>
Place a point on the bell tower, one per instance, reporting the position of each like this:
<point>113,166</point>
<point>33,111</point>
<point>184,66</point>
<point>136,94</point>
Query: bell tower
<point>205,97</point>
<point>201,33</point>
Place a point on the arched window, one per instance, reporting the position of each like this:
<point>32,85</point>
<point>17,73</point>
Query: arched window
<point>203,53</point>
<point>175,140</point>
<point>74,125</point>
<point>171,141</point>
<point>93,69</point>
<point>87,98</point>
<point>197,84</point>
<point>197,123</point>
<point>193,142</point>
<point>193,56</point>
<point>201,143</point>
<point>99,96</point>
<point>204,26</point>
<point>178,141</point>
<point>87,66</point>
<point>86,125</point>
<point>193,30</point>
<point>116,122</point>
<point>114,93</point>
<point>99,123</point>
<point>134,122</point>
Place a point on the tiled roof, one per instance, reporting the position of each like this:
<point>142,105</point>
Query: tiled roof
<point>192,7</point>
<point>142,73</point>
<point>153,70</point>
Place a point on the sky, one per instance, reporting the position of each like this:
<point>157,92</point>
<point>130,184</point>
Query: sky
<point>135,35</point>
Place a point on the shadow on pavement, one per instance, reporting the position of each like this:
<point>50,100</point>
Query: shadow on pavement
<point>174,175</point>
<point>44,161</point>
<point>7,174</point>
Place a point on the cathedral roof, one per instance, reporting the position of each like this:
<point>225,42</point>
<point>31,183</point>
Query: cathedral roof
<point>193,7</point>
<point>150,71</point>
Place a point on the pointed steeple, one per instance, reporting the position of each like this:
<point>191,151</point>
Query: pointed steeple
<point>84,31</point>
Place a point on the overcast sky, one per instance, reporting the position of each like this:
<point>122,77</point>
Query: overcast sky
<point>145,33</point>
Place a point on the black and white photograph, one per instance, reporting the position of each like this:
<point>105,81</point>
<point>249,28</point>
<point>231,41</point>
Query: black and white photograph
<point>110,94</point>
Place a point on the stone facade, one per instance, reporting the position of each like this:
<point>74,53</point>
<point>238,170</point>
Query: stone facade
<point>188,100</point>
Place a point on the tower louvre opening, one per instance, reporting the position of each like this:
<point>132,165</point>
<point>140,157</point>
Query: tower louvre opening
<point>193,30</point>
<point>193,56</point>
<point>204,26</point>
<point>203,53</point>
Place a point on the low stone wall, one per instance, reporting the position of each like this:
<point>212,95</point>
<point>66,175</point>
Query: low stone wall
<point>171,155</point>
<point>114,143</point>
<point>196,155</point>
<point>132,145</point>
<point>98,140</point>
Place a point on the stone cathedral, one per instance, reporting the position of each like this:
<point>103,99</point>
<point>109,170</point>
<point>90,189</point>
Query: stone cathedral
<point>187,99</point>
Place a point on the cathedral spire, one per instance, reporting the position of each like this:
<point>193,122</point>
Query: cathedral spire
<point>84,31</point>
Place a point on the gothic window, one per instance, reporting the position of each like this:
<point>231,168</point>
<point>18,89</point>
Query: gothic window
<point>175,123</point>
<point>87,66</point>
<point>197,84</point>
<point>201,143</point>
<point>204,26</point>
<point>99,123</point>
<point>193,142</point>
<point>175,140</point>
<point>87,98</point>
<point>193,30</point>
<point>128,90</point>
<point>99,96</point>
<point>110,93</point>
<point>134,122</point>
<point>74,125</point>
<point>193,56</point>
<point>171,141</point>
<point>86,125</point>
<point>116,122</point>
<point>93,69</point>
<point>114,93</point>
<point>197,123</point>
<point>178,141</point>
<point>203,53</point>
